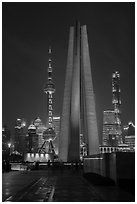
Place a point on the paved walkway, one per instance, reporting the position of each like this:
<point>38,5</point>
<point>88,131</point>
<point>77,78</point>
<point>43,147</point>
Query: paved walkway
<point>15,181</point>
<point>71,187</point>
<point>56,186</point>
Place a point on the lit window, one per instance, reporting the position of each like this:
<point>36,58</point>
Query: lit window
<point>50,119</point>
<point>50,95</point>
<point>50,101</point>
<point>114,89</point>
<point>49,64</point>
<point>50,107</point>
<point>50,113</point>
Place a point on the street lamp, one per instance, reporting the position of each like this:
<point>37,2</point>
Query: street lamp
<point>9,145</point>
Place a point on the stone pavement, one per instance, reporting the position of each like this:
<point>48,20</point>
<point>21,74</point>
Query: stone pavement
<point>15,181</point>
<point>71,187</point>
<point>55,186</point>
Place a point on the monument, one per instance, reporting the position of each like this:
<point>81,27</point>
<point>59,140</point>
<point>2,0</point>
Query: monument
<point>78,114</point>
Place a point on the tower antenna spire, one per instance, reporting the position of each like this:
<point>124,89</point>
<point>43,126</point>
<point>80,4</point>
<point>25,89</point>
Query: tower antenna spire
<point>49,133</point>
<point>50,50</point>
<point>50,89</point>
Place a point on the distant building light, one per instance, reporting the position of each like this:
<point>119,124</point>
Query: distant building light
<point>47,156</point>
<point>23,124</point>
<point>115,74</point>
<point>9,145</point>
<point>130,137</point>
<point>42,155</point>
<point>31,127</point>
<point>96,158</point>
<point>18,127</point>
<point>126,128</point>
<point>56,118</point>
<point>50,92</point>
<point>37,155</point>
<point>109,111</point>
<point>130,123</point>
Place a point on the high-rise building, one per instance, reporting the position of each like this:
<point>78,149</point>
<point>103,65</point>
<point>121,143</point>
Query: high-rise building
<point>131,129</point>
<point>40,128</point>
<point>33,139</point>
<point>37,122</point>
<point>112,130</point>
<point>129,135</point>
<point>20,136</point>
<point>6,140</point>
<point>78,114</point>
<point>116,101</point>
<point>116,93</point>
<point>83,147</point>
<point>109,128</point>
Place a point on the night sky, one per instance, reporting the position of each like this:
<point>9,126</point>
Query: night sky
<point>27,31</point>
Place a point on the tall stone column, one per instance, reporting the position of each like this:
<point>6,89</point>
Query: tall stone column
<point>74,144</point>
<point>90,111</point>
<point>79,112</point>
<point>65,118</point>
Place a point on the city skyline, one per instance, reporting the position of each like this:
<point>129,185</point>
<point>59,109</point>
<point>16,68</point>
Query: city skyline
<point>30,28</point>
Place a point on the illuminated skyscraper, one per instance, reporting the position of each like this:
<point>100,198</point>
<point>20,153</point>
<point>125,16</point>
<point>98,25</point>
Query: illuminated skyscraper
<point>116,95</point>
<point>6,139</point>
<point>40,128</point>
<point>20,136</point>
<point>33,139</point>
<point>109,129</point>
<point>37,122</point>
<point>129,134</point>
<point>112,131</point>
<point>116,101</point>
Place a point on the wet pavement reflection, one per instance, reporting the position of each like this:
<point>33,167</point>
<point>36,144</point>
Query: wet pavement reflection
<point>53,186</point>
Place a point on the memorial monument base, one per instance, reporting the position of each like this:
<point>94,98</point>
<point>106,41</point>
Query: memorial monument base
<point>118,166</point>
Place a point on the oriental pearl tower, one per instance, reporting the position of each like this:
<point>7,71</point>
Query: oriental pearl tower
<point>49,133</point>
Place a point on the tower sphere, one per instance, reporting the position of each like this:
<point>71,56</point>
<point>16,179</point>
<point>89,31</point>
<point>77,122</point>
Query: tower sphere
<point>49,134</point>
<point>50,87</point>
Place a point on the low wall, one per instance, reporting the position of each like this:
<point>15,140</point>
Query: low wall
<point>116,166</point>
<point>18,167</point>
